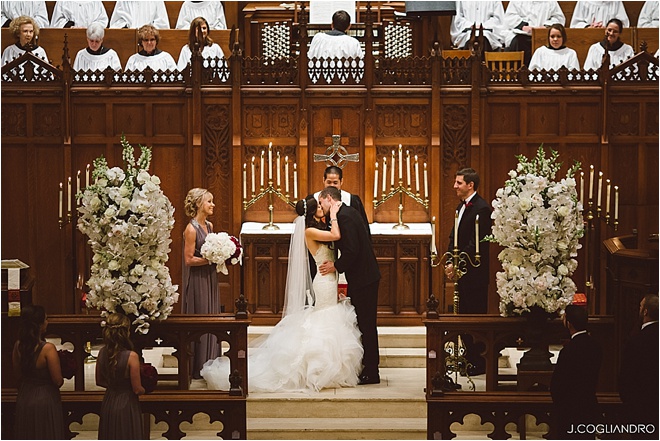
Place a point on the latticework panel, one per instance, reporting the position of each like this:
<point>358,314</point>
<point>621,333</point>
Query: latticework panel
<point>398,40</point>
<point>276,40</point>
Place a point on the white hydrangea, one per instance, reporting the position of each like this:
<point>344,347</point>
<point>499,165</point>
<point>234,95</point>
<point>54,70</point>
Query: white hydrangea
<point>539,222</point>
<point>221,248</point>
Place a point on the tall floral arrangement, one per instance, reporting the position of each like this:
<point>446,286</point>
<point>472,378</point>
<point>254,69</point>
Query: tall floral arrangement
<point>128,221</point>
<point>539,222</point>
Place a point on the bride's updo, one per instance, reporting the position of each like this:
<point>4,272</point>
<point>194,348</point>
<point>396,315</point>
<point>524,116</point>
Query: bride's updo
<point>307,207</point>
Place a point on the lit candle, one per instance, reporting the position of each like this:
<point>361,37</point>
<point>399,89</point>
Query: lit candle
<point>426,182</point>
<point>68,192</point>
<point>456,230</point>
<point>87,176</point>
<point>244,181</point>
<point>582,188</point>
<point>476,234</point>
<point>600,186</point>
<point>400,164</point>
<point>262,169</point>
<point>408,168</point>
<point>392,169</point>
<point>61,204</point>
<point>591,183</point>
<point>616,202</point>
<point>416,175</point>
<point>253,174</point>
<point>278,170</point>
<point>433,248</point>
<point>295,181</point>
<point>270,161</point>
<point>78,181</point>
<point>384,174</point>
<point>286,174</point>
<point>607,197</point>
<point>376,182</point>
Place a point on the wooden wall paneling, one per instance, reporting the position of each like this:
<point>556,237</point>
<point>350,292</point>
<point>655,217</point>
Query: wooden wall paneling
<point>388,286</point>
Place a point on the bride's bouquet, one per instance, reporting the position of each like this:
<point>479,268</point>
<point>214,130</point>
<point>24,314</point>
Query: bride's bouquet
<point>222,249</point>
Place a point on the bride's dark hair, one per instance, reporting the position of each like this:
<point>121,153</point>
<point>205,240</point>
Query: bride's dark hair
<point>307,207</point>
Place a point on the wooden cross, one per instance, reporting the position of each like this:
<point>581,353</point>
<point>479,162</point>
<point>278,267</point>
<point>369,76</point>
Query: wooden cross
<point>336,154</point>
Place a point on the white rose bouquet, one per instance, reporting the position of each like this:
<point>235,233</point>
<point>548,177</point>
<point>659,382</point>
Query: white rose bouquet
<point>222,249</point>
<point>539,222</point>
<point>128,221</point>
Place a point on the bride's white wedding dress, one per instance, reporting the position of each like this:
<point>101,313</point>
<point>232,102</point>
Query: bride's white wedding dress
<point>311,349</point>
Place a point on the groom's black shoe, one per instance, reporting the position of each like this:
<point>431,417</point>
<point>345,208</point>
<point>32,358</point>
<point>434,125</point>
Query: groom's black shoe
<point>369,379</point>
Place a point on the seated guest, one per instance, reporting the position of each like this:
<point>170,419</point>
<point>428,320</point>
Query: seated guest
<point>79,14</point>
<point>199,32</point>
<point>649,15</point>
<point>150,55</point>
<point>212,11</point>
<point>96,56</point>
<point>26,34</point>
<point>11,10</point>
<point>590,14</point>
<point>522,16</point>
<point>488,14</point>
<point>133,14</point>
<point>618,50</point>
<point>335,43</point>
<point>555,54</point>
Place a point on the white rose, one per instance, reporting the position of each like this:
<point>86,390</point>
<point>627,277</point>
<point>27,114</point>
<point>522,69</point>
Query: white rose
<point>113,265</point>
<point>563,211</point>
<point>562,270</point>
<point>95,203</point>
<point>155,180</point>
<point>142,177</point>
<point>110,212</point>
<point>525,203</point>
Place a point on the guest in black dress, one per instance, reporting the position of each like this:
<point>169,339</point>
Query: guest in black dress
<point>37,368</point>
<point>118,370</point>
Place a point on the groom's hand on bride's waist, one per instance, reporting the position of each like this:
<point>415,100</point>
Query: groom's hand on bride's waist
<point>327,267</point>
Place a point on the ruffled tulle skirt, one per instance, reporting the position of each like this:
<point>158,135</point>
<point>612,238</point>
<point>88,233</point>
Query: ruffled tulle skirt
<point>307,350</point>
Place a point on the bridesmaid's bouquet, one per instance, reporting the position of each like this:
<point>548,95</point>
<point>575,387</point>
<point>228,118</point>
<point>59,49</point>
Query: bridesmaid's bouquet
<point>222,249</point>
<point>148,377</point>
<point>67,363</point>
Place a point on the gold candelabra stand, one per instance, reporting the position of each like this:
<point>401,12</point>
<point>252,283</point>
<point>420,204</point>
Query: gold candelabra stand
<point>459,260</point>
<point>401,190</point>
<point>270,191</point>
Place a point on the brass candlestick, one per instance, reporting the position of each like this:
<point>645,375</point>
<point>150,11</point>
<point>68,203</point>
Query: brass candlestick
<point>459,259</point>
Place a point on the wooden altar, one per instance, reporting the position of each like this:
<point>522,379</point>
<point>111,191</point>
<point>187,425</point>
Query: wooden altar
<point>403,259</point>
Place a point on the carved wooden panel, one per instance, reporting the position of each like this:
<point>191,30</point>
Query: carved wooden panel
<point>543,119</point>
<point>624,119</point>
<point>455,130</point>
<point>88,119</point>
<point>129,119</point>
<point>504,119</point>
<point>402,121</point>
<point>652,121</point>
<point>582,118</point>
<point>48,120</point>
<point>270,121</point>
<point>169,118</point>
<point>14,119</point>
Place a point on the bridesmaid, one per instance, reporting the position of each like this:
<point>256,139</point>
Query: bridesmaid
<point>118,370</point>
<point>37,367</point>
<point>200,278</point>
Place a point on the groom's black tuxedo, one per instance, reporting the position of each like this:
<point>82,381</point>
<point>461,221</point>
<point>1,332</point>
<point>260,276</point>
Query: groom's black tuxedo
<point>359,265</point>
<point>473,286</point>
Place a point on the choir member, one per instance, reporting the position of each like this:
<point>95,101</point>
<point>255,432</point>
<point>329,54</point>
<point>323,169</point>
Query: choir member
<point>199,33</point>
<point>133,14</point>
<point>468,13</point>
<point>26,34</point>
<point>150,55</point>
<point>212,11</point>
<point>80,14</point>
<point>618,50</point>
<point>594,14</point>
<point>96,56</point>
<point>555,54</point>
<point>648,16</point>
<point>14,9</point>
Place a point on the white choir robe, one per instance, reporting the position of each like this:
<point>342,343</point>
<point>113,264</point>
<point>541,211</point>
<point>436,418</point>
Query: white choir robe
<point>334,46</point>
<point>161,61</point>
<point>586,12</point>
<point>649,15</point>
<point>86,61</point>
<point>37,10</point>
<point>468,13</point>
<point>596,52</point>
<point>551,59</point>
<point>81,13</point>
<point>13,51</point>
<point>536,14</point>
<point>212,11</point>
<point>135,14</point>
<point>213,51</point>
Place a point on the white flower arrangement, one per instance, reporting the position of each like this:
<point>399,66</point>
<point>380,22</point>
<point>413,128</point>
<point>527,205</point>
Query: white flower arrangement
<point>128,221</point>
<point>221,249</point>
<point>539,222</point>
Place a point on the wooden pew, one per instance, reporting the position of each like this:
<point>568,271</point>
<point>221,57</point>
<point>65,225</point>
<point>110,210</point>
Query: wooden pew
<point>579,39</point>
<point>123,41</point>
<point>650,35</point>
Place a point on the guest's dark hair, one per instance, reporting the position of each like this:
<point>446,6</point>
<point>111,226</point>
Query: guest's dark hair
<point>331,191</point>
<point>307,208</point>
<point>341,20</point>
<point>116,336</point>
<point>616,21</point>
<point>333,170</point>
<point>560,27</point>
<point>651,305</point>
<point>577,316</point>
<point>469,175</point>
<point>29,334</point>
<point>192,34</point>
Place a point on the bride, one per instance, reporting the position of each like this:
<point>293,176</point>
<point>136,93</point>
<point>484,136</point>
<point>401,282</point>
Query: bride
<point>317,344</point>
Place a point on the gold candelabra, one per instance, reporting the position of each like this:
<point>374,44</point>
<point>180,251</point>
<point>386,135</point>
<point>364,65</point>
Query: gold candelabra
<point>401,189</point>
<point>272,188</point>
<point>459,260</point>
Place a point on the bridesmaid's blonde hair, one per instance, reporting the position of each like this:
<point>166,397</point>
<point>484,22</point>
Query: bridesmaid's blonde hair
<point>194,200</point>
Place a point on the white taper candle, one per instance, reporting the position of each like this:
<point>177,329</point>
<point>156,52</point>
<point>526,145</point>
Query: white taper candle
<point>286,175</point>
<point>607,197</point>
<point>68,202</point>
<point>426,182</point>
<point>476,234</point>
<point>295,181</point>
<point>400,164</point>
<point>591,183</point>
<point>456,229</point>
<point>244,181</point>
<point>278,170</point>
<point>392,169</point>
<point>261,182</point>
<point>434,250</point>
<point>600,186</point>
<point>87,176</point>
<point>416,175</point>
<point>582,188</point>
<point>408,170</point>
<point>253,174</point>
<point>376,182</point>
<point>384,175</point>
<point>270,161</point>
<point>616,202</point>
<point>61,201</point>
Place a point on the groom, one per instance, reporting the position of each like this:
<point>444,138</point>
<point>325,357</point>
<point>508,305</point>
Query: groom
<point>358,263</point>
